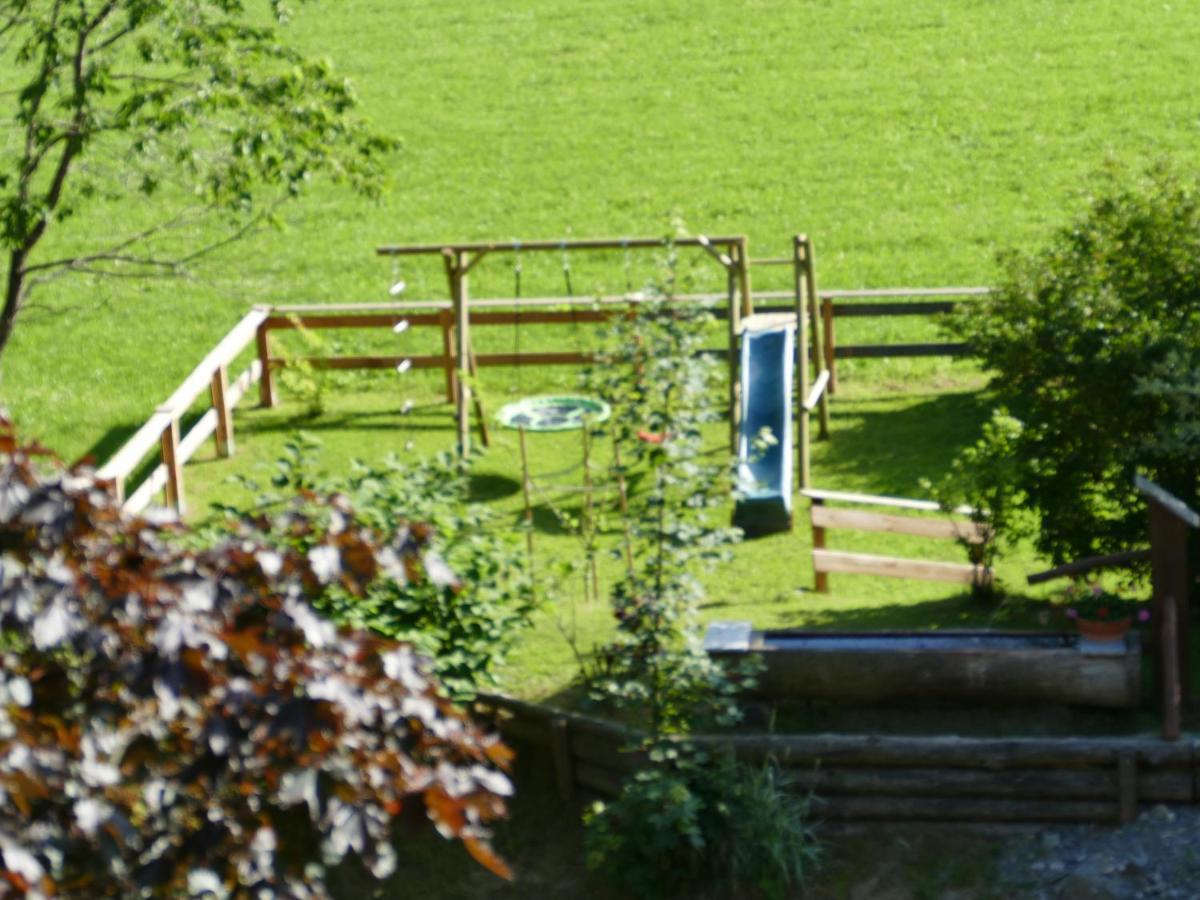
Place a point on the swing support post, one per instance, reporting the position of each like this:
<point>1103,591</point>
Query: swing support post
<point>528,514</point>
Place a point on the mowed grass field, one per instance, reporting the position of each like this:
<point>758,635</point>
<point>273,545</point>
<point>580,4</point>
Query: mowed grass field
<point>911,140</point>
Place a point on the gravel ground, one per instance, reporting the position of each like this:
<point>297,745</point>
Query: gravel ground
<point>1156,855</point>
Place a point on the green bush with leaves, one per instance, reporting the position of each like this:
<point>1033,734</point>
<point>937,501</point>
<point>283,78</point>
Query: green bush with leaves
<point>655,381</point>
<point>1095,345</point>
<point>700,822</point>
<point>467,624</point>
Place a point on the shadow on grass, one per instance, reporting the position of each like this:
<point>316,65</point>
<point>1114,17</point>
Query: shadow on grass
<point>890,450</point>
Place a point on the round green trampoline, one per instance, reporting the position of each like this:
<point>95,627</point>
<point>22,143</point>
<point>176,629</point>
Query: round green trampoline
<point>553,412</point>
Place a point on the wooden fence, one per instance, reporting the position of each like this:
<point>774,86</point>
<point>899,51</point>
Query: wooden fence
<point>863,777</point>
<point>825,517</point>
<point>161,431</point>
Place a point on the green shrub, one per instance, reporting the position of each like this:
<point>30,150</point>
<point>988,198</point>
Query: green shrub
<point>1095,345</point>
<point>698,823</point>
<point>465,625</point>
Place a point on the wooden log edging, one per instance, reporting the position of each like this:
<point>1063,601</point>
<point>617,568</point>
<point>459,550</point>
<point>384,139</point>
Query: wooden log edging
<point>895,778</point>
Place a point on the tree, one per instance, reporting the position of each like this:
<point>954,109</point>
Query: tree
<point>179,721</point>
<point>1095,345</point>
<point>193,99</point>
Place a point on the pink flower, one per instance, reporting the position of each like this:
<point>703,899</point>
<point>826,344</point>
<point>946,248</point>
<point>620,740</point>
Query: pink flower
<point>1071,614</point>
<point>1143,615</point>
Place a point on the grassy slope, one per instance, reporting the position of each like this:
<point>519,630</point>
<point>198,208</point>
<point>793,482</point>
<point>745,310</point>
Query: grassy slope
<point>912,140</point>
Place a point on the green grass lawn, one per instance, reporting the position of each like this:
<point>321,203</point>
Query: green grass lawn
<point>884,440</point>
<point>911,140</point>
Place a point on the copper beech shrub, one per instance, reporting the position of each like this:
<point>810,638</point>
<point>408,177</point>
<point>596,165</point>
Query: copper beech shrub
<point>180,722</point>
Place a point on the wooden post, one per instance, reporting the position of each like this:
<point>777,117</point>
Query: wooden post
<point>456,263</point>
<point>1127,788</point>
<point>485,436</point>
<point>528,512</point>
<point>220,402</point>
<point>446,321</point>
<point>170,458</point>
<point>1169,574</point>
<point>560,744</point>
<point>818,357</point>
<point>830,338</point>
<point>588,518</point>
<point>266,382</point>
<point>735,387</point>
<point>741,256</point>
<point>818,542</point>
<point>803,372</point>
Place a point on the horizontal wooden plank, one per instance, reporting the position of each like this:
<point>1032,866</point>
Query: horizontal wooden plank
<point>919,308</point>
<point>949,751</point>
<point>877,500</point>
<point>895,567</point>
<point>964,809</point>
<point>818,388</point>
<point>883,351</point>
<point>866,520</point>
<point>1079,566</point>
<point>553,245</point>
<point>417,320</point>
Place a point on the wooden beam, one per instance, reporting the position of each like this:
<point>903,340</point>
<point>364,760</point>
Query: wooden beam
<point>829,339</point>
<point>802,370</point>
<point>266,384</point>
<point>551,245</point>
<point>880,500</point>
<point>928,308</point>
<point>864,520</point>
<point>1079,566</point>
<point>884,351</point>
<point>895,567</point>
<point>172,463</point>
<point>224,409</point>
<point>817,392</point>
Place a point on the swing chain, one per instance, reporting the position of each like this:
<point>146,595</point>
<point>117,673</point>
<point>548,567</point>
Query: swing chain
<point>566,267</point>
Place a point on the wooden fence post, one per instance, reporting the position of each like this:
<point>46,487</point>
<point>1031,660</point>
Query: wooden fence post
<point>803,370</point>
<point>266,381</point>
<point>829,340</point>
<point>735,387</point>
<point>818,541</point>
<point>564,772</point>
<point>818,357</point>
<point>1127,788</point>
<point>170,458</point>
<point>446,321</point>
<point>1170,524</point>
<point>220,402</point>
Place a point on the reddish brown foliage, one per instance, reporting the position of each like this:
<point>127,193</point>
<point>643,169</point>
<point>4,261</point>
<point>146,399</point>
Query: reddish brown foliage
<point>175,721</point>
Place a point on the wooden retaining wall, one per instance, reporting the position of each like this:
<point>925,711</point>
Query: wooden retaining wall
<point>876,777</point>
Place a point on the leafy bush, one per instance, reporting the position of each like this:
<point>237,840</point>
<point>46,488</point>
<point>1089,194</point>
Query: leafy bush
<point>467,624</point>
<point>653,378</point>
<point>181,722</point>
<point>696,821</point>
<point>1095,346</point>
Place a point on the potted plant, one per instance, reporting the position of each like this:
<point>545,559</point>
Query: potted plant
<point>1100,614</point>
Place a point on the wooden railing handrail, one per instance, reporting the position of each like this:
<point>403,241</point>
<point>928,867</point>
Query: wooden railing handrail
<point>880,500</point>
<point>147,438</point>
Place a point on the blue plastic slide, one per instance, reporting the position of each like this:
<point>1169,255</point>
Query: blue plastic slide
<point>764,472</point>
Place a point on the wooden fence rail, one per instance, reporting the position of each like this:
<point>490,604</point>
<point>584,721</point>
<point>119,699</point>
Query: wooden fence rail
<point>162,430</point>
<point>932,778</point>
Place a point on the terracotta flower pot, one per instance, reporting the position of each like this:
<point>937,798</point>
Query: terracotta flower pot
<point>1104,629</point>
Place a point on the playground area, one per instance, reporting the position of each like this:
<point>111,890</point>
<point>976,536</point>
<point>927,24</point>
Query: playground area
<point>838,537</point>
